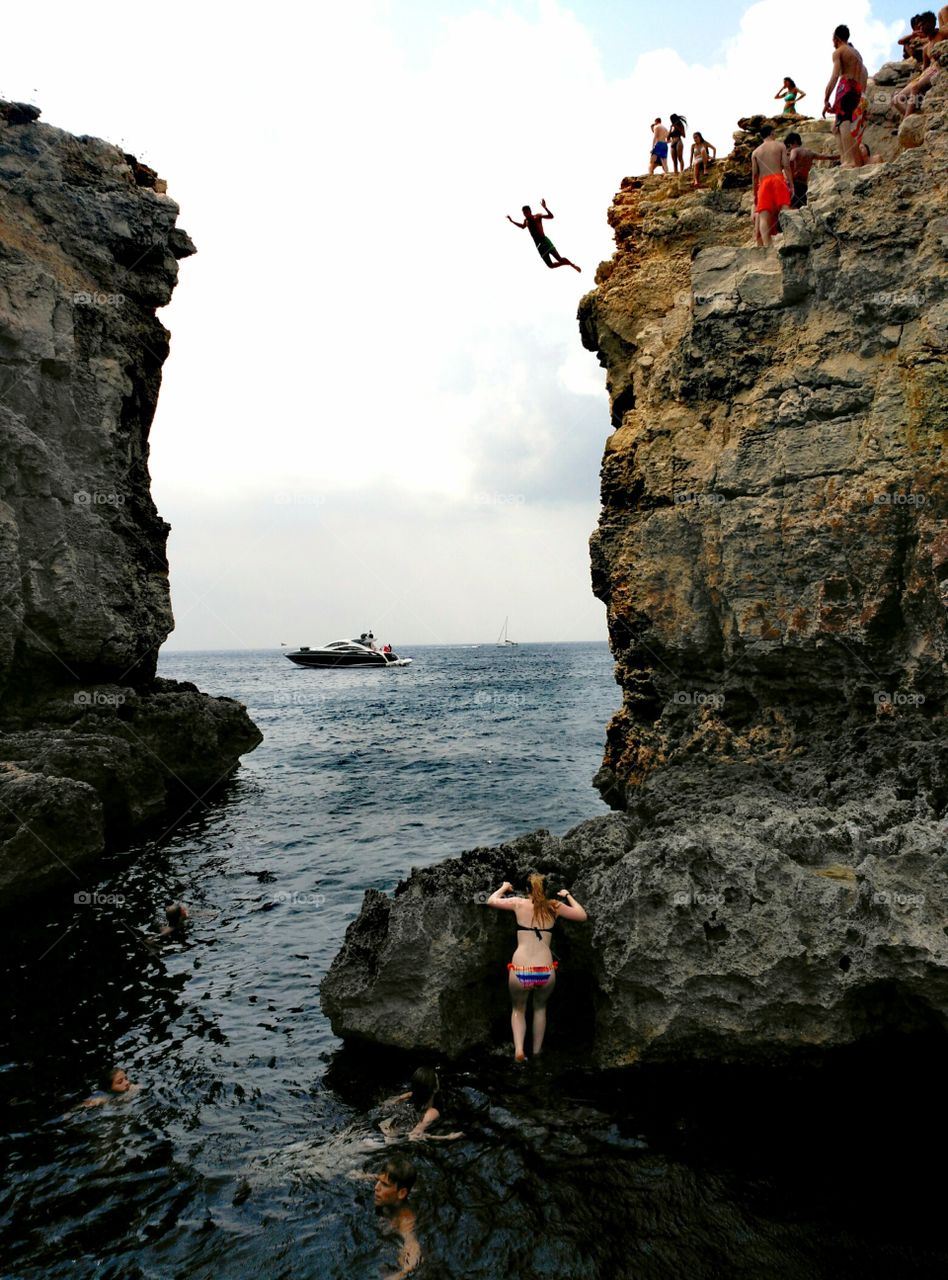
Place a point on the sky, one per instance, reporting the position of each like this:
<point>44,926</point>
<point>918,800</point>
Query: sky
<point>377,412</point>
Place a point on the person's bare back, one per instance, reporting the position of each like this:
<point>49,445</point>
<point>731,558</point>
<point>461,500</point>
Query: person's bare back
<point>659,132</point>
<point>769,158</point>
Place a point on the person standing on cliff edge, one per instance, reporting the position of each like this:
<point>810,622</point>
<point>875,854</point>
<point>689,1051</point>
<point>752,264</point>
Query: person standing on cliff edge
<point>773,184</point>
<point>545,246</point>
<point>849,78</point>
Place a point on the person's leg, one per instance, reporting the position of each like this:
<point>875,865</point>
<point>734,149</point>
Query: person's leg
<point>764,227</point>
<point>560,261</point>
<point>518,1014</point>
<point>541,996</point>
<point>846,144</point>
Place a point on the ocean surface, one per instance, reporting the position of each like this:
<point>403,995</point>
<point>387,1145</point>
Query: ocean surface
<point>240,1155</point>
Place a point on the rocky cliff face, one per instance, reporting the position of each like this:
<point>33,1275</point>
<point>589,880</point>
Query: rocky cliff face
<point>773,552</point>
<point>91,744</point>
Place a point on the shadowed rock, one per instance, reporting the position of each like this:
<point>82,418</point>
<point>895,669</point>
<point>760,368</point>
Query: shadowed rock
<point>91,745</point>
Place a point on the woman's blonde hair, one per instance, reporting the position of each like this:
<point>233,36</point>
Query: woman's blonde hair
<point>544,908</point>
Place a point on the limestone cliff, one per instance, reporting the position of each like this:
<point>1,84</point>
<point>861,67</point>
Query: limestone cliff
<point>772,545</point>
<point>91,744</point>
<point>773,552</point>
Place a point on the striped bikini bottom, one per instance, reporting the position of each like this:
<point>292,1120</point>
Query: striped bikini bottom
<point>533,975</point>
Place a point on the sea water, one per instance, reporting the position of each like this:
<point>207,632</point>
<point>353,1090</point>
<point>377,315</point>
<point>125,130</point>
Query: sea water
<point>241,1154</point>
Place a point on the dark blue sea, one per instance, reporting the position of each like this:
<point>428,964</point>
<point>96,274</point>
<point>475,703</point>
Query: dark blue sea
<point>241,1154</point>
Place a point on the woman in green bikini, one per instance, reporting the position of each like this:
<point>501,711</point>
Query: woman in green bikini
<point>533,969</point>
<point>791,96</point>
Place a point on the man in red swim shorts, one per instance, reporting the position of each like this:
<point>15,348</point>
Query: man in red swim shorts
<point>773,183</point>
<point>849,78</point>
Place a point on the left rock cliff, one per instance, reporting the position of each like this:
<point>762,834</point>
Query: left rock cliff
<point>92,743</point>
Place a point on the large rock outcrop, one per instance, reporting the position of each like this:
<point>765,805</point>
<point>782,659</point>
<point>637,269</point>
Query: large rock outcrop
<point>91,744</point>
<point>773,552</point>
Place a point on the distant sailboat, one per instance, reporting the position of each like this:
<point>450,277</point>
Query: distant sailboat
<point>502,640</point>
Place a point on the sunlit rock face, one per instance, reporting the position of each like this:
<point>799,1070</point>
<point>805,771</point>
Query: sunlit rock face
<point>773,552</point>
<point>88,251</point>
<point>773,548</point>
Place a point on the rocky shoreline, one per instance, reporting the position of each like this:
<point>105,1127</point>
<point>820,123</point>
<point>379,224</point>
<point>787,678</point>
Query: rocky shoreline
<point>92,745</point>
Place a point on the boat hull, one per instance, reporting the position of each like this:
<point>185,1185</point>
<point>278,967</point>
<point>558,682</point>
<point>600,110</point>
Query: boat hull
<point>331,661</point>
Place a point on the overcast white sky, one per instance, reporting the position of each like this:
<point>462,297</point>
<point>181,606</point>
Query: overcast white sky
<point>377,410</point>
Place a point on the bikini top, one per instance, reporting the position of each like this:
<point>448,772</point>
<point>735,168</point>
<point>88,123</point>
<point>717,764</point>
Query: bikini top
<point>532,928</point>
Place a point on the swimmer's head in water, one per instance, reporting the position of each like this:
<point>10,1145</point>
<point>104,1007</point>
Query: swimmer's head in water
<point>176,914</point>
<point>424,1085</point>
<point>395,1181</point>
<point>116,1081</point>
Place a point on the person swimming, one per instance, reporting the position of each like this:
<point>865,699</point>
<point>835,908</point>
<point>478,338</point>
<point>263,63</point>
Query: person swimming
<point>532,971</point>
<point>115,1084</point>
<point>427,1105</point>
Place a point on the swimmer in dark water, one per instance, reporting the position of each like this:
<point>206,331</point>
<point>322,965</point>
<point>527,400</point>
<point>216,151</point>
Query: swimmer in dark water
<point>427,1104</point>
<point>545,246</point>
<point>115,1083</point>
<point>533,969</point>
<point>393,1186</point>
<point>176,913</point>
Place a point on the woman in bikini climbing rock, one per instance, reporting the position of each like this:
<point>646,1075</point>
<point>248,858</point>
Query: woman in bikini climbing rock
<point>532,971</point>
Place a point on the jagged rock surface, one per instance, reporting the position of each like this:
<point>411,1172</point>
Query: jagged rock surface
<point>773,552</point>
<point>90,743</point>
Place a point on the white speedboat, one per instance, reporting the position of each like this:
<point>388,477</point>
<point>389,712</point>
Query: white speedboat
<point>346,653</point>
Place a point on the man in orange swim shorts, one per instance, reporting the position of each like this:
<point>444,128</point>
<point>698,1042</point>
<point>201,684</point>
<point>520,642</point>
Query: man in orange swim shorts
<point>773,184</point>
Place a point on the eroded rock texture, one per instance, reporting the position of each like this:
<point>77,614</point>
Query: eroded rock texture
<point>91,744</point>
<point>773,552</point>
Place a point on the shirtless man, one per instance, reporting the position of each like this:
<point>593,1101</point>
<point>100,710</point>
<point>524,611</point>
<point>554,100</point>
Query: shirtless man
<point>802,160</point>
<point>773,183</point>
<point>545,246</point>
<point>849,78</point>
<point>659,152</point>
<point>392,1188</point>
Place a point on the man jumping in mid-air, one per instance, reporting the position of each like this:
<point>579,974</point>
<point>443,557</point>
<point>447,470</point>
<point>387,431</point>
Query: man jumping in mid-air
<point>545,246</point>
